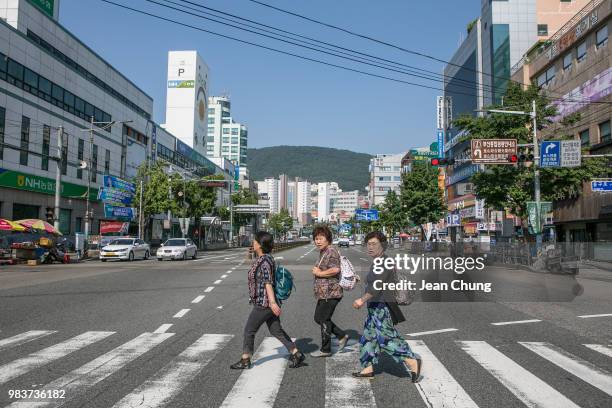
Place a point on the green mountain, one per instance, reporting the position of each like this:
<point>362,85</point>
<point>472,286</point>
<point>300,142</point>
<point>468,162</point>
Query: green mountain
<point>315,164</point>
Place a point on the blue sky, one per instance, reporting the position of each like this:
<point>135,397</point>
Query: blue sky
<point>281,99</point>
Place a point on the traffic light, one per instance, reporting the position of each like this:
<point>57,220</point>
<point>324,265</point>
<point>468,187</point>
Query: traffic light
<point>520,158</point>
<point>442,162</point>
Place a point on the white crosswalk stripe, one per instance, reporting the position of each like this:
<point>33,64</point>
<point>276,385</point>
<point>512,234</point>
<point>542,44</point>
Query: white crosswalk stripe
<point>168,382</point>
<point>23,338</point>
<point>524,385</point>
<point>438,388</point>
<point>342,390</point>
<point>607,350</point>
<point>45,356</point>
<point>257,387</point>
<point>584,370</point>
<point>84,377</point>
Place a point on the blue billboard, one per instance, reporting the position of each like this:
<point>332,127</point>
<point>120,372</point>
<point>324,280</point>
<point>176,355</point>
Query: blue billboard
<point>366,215</point>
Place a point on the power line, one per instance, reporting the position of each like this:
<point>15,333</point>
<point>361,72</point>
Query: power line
<point>397,47</point>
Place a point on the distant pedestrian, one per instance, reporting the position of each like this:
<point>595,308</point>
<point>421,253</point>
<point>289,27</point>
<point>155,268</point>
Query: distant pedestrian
<point>327,291</point>
<point>266,309</point>
<point>379,333</point>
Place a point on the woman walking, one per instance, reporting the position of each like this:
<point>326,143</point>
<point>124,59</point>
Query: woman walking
<point>327,291</point>
<point>265,307</point>
<point>379,333</point>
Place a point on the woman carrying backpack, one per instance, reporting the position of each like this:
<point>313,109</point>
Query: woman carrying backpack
<point>265,306</point>
<point>327,291</point>
<point>379,333</point>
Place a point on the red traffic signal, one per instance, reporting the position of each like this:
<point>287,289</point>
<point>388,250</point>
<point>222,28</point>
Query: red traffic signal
<point>513,158</point>
<point>442,162</point>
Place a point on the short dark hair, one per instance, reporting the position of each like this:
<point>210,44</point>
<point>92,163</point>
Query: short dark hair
<point>265,240</point>
<point>378,235</point>
<point>322,230</point>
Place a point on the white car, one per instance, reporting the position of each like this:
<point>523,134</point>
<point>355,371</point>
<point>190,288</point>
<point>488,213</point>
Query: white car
<point>351,242</point>
<point>335,241</point>
<point>358,242</point>
<point>177,248</point>
<point>125,249</point>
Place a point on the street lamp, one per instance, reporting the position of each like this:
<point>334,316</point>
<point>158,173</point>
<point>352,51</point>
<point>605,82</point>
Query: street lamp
<point>103,126</point>
<point>536,155</point>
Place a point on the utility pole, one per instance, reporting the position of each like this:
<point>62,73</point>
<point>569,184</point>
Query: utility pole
<point>231,234</point>
<point>536,174</point>
<point>140,212</point>
<point>87,207</point>
<point>58,178</point>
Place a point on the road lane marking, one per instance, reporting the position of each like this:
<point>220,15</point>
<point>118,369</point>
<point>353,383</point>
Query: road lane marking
<point>279,257</point>
<point>81,379</point>
<point>23,338</point>
<point>204,258</point>
<point>437,387</point>
<point>582,369</point>
<point>209,289</point>
<point>364,259</point>
<point>229,271</point>
<point>220,307</point>
<point>595,315</point>
<point>342,390</point>
<point>523,384</point>
<point>168,382</point>
<point>431,332</point>
<point>607,350</point>
<point>223,276</point>
<point>258,387</point>
<point>516,322</point>
<point>163,328</point>
<point>181,313</point>
<point>45,356</point>
<point>218,281</point>
<point>198,299</point>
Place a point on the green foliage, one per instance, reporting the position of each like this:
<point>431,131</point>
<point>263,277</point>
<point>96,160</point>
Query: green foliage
<point>315,164</point>
<point>392,214</point>
<point>510,187</point>
<point>422,199</point>
<point>280,223</point>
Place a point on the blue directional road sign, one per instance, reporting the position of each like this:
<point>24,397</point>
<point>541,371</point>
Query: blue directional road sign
<point>366,215</point>
<point>601,185</point>
<point>550,153</point>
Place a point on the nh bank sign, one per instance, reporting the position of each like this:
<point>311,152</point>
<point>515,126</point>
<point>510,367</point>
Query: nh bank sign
<point>47,6</point>
<point>43,185</point>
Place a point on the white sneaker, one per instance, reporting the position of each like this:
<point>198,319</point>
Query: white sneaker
<point>320,353</point>
<point>342,342</point>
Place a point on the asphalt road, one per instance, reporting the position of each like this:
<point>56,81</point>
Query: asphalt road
<point>149,334</point>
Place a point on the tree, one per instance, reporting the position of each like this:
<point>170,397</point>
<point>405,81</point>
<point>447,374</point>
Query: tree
<point>508,186</point>
<point>280,223</point>
<point>421,198</point>
<point>393,215</point>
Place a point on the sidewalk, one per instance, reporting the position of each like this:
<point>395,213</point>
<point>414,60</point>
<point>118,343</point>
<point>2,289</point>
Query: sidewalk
<point>604,265</point>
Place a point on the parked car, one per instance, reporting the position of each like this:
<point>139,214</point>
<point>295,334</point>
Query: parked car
<point>125,249</point>
<point>358,241</point>
<point>343,242</point>
<point>351,242</point>
<point>335,241</point>
<point>177,248</point>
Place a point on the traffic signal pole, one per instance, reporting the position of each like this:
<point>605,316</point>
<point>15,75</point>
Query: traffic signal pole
<point>58,178</point>
<point>536,174</point>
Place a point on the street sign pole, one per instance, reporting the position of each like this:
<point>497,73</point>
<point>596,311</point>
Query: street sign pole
<point>536,172</point>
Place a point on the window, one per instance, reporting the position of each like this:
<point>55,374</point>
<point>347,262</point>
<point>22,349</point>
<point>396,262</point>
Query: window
<point>211,120</point>
<point>226,131</point>
<point>234,149</point>
<point>15,73</point>
<point>2,121</point>
<point>57,96</point>
<point>234,131</point>
<point>581,51</point>
<point>69,101</point>
<point>25,141</point>
<point>94,163</point>
<point>3,61</point>
<point>225,149</point>
<point>80,157</point>
<point>44,88</point>
<point>542,30</point>
<point>107,162</point>
<point>211,111</point>
<point>45,147</point>
<point>602,36</point>
<point>604,132</point>
<point>546,77</point>
<point>225,139</point>
<point>30,81</point>
<point>567,61</point>
<point>585,137</point>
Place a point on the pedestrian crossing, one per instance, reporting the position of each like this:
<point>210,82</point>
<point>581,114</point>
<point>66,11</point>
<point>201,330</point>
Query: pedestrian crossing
<point>259,387</point>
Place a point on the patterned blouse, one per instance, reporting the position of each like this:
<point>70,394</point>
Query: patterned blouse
<point>261,273</point>
<point>328,288</point>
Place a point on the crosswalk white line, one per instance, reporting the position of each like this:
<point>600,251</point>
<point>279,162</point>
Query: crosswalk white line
<point>437,387</point>
<point>524,385</point>
<point>607,350</point>
<point>45,356</point>
<point>181,313</point>
<point>209,289</point>
<point>223,276</point>
<point>582,369</point>
<point>81,379</point>
<point>218,281</point>
<point>23,338</point>
<point>163,328</point>
<point>198,299</point>
<point>257,387</point>
<point>168,382</point>
<point>342,390</point>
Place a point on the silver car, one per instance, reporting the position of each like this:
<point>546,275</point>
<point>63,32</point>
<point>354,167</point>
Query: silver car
<point>125,249</point>
<point>177,248</point>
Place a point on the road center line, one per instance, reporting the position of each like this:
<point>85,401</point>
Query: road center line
<point>431,332</point>
<point>516,322</point>
<point>181,313</point>
<point>163,328</point>
<point>595,315</point>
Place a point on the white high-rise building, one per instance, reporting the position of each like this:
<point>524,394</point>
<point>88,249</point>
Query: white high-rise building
<point>187,97</point>
<point>345,202</point>
<point>325,193</point>
<point>225,137</point>
<point>303,198</point>
<point>272,187</point>
<point>385,176</point>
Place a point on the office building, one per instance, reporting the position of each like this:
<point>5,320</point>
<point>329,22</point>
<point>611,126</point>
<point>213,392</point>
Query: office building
<point>225,137</point>
<point>385,176</point>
